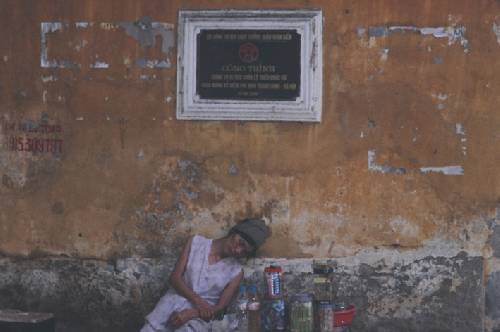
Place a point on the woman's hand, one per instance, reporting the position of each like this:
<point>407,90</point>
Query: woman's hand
<point>179,318</point>
<point>206,311</point>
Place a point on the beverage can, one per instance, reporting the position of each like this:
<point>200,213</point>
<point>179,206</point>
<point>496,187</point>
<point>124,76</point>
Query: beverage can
<point>273,281</point>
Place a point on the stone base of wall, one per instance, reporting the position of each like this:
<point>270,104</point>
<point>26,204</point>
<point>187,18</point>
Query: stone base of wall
<point>426,294</point>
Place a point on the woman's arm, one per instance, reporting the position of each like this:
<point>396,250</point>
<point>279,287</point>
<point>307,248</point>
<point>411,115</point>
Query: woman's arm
<point>177,319</point>
<point>228,293</point>
<point>176,280</point>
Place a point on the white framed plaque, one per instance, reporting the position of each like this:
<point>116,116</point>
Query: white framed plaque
<point>261,65</point>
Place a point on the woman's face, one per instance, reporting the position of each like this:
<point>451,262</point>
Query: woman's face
<point>239,247</point>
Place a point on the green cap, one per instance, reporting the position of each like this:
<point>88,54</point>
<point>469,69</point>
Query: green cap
<point>254,231</point>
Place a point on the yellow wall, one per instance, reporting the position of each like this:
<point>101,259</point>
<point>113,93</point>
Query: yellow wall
<point>132,180</point>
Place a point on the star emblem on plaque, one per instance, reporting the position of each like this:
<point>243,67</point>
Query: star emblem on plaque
<point>249,52</point>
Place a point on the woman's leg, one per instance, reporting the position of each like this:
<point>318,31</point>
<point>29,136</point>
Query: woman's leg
<point>194,325</point>
<point>149,328</point>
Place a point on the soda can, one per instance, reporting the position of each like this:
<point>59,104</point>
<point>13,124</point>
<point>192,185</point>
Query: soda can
<point>273,281</point>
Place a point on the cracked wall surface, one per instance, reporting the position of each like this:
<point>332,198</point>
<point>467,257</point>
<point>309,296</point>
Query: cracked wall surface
<point>398,184</point>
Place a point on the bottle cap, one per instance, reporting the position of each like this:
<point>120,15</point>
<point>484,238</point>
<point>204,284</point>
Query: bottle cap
<point>272,268</point>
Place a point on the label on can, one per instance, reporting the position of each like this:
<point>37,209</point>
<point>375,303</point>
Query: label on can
<point>273,279</point>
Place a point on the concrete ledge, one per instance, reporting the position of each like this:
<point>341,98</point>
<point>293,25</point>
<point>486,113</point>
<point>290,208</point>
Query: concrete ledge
<point>432,293</point>
<point>19,321</point>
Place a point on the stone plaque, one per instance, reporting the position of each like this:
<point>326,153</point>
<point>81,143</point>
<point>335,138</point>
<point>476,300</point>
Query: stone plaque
<point>250,65</point>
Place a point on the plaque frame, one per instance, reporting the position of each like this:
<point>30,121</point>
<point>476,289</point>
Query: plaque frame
<point>307,107</point>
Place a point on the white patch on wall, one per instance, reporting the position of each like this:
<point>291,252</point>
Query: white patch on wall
<point>460,131</point>
<point>48,28</point>
<point>82,25</point>
<point>144,31</point>
<point>375,167</point>
<point>446,170</point>
<point>441,99</point>
<point>46,79</point>
<point>384,54</point>
<point>99,64</point>
<point>454,33</point>
<point>496,31</point>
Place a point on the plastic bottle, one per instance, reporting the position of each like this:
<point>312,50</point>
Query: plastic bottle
<point>253,309</point>
<point>241,309</point>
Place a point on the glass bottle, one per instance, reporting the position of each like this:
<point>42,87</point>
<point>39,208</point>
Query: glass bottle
<point>323,297</point>
<point>253,309</point>
<point>241,309</point>
<point>301,313</point>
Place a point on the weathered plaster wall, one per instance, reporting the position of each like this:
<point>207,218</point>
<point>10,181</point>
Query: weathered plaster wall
<point>400,172</point>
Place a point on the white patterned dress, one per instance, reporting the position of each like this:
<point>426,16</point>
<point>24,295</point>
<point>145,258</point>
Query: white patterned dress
<point>206,280</point>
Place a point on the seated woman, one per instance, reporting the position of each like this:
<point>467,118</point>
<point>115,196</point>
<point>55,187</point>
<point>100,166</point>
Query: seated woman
<point>205,279</point>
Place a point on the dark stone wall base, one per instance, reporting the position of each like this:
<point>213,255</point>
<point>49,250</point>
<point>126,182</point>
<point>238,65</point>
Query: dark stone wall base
<point>427,294</point>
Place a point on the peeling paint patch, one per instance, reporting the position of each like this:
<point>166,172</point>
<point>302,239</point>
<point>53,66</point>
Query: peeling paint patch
<point>82,25</point>
<point>46,29</point>
<point>378,31</point>
<point>441,97</point>
<point>233,170</point>
<point>373,166</point>
<point>144,63</point>
<point>140,155</point>
<point>50,78</point>
<point>145,31</point>
<point>5,58</point>
<point>145,77</point>
<point>384,54</point>
<point>99,64</point>
<point>460,131</point>
<point>361,32</point>
<point>446,170</point>
<point>455,33</point>
<point>496,31</point>
<point>108,26</point>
